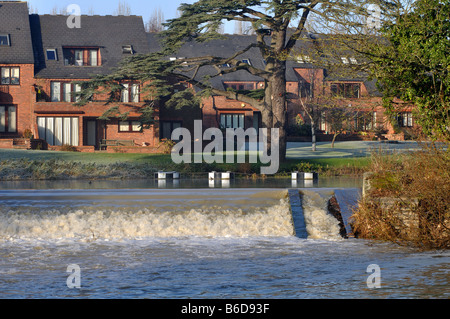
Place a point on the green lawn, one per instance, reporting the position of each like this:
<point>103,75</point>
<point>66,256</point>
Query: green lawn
<point>98,158</point>
<point>154,162</point>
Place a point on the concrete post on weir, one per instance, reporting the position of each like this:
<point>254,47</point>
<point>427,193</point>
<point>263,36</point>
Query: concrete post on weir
<point>167,175</point>
<point>297,214</point>
<point>305,176</point>
<point>221,176</point>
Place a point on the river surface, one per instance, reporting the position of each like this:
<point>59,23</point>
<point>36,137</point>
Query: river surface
<point>141,239</point>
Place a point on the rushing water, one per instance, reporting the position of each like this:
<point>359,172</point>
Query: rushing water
<point>196,243</point>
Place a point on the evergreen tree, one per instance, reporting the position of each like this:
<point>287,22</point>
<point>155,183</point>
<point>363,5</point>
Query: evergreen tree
<point>413,66</point>
<point>278,25</point>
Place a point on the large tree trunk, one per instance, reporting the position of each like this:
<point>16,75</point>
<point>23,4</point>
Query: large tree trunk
<point>278,85</point>
<point>314,138</point>
<point>277,88</point>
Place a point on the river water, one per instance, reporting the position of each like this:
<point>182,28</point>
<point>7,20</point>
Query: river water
<point>136,240</point>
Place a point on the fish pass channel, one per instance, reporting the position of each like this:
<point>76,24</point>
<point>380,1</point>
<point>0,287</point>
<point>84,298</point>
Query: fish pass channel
<point>200,243</point>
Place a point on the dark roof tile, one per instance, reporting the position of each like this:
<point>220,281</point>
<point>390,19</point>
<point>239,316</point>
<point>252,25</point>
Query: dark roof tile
<point>14,22</point>
<point>108,33</point>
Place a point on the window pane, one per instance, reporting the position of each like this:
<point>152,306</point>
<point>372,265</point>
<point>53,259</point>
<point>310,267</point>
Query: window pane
<point>136,126</point>
<point>125,93</point>
<point>410,120</point>
<point>94,57</point>
<point>51,54</point>
<point>56,91</point>
<point>124,126</point>
<point>4,39</point>
<point>166,130</point>
<point>77,89</point>
<point>135,93</point>
<point>15,76</point>
<point>67,92</point>
<point>67,131</point>
<point>58,131</point>
<point>5,76</point>
<point>242,121</point>
<point>235,121</point>
<point>12,119</point>
<point>223,121</point>
<point>229,121</point>
<point>2,119</point>
<point>50,130</point>
<point>75,131</point>
<point>79,57</point>
<point>41,127</point>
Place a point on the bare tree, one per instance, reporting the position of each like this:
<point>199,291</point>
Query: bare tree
<point>123,9</point>
<point>91,11</point>
<point>155,22</point>
<point>32,10</point>
<point>58,11</point>
<point>243,28</point>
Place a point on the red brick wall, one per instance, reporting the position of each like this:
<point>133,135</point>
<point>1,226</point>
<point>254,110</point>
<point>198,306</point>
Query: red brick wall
<point>21,96</point>
<point>106,130</point>
<point>214,106</point>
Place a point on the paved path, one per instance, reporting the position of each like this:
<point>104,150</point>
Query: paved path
<point>347,149</point>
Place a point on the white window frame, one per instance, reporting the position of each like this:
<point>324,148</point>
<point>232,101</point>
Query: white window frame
<point>55,52</point>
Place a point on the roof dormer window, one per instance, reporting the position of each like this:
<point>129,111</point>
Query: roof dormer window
<point>128,49</point>
<point>4,40</point>
<point>51,55</point>
<point>81,56</point>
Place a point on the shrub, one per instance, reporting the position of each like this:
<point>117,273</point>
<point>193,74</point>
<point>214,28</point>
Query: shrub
<point>417,188</point>
<point>68,148</point>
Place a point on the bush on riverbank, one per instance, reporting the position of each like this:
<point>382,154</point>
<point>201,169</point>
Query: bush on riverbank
<point>408,199</point>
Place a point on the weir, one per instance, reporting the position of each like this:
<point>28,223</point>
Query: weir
<point>129,214</point>
<point>297,214</point>
<point>311,214</point>
<point>347,200</point>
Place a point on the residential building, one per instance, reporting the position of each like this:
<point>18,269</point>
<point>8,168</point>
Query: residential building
<point>17,70</point>
<point>64,58</point>
<point>44,62</point>
<point>306,81</point>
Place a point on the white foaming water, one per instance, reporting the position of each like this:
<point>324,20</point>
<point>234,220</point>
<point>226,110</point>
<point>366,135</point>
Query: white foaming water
<point>151,214</point>
<point>320,224</point>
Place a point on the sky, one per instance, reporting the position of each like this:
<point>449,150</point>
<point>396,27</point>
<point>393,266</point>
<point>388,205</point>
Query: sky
<point>143,8</point>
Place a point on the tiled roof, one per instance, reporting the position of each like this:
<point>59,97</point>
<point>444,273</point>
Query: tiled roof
<point>108,33</point>
<point>14,23</point>
<point>226,48</point>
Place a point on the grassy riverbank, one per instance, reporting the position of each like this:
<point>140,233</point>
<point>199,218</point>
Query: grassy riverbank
<point>347,158</point>
<point>62,167</point>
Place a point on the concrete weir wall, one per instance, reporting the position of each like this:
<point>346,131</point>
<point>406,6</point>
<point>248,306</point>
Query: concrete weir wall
<point>340,205</point>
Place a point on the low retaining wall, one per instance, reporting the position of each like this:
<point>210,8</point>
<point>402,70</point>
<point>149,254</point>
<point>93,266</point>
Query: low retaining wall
<point>404,210</point>
<point>9,143</point>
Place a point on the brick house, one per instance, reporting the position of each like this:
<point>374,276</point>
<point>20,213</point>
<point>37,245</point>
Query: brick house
<point>17,70</point>
<point>303,78</point>
<point>43,61</point>
<point>64,57</point>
